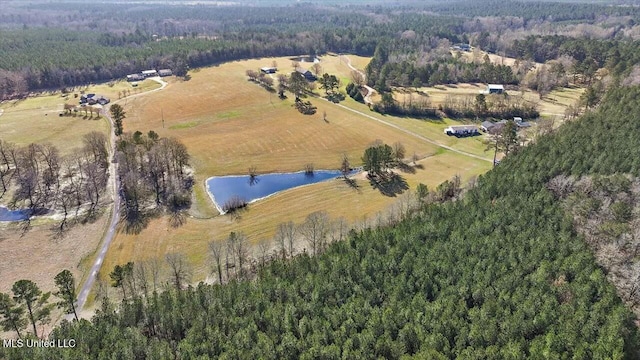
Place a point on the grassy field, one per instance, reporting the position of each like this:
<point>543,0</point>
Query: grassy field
<point>260,221</point>
<point>226,132</point>
<point>35,119</point>
<point>229,124</point>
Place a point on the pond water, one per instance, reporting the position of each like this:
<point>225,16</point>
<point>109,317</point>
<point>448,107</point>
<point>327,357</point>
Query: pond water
<point>13,215</point>
<point>223,188</point>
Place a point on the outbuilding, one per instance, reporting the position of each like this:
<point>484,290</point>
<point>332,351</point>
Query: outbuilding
<point>269,70</point>
<point>495,89</point>
<point>462,130</point>
<point>165,72</point>
<point>149,73</point>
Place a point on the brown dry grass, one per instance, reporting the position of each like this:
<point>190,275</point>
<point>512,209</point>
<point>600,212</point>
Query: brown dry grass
<point>229,124</point>
<point>260,221</point>
<point>39,256</point>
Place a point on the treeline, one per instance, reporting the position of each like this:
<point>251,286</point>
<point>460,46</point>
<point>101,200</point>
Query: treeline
<point>41,180</point>
<point>500,273</point>
<point>618,56</point>
<point>153,173</point>
<point>383,71</point>
<point>37,58</point>
<point>489,106</point>
<point>555,11</point>
<point>30,307</point>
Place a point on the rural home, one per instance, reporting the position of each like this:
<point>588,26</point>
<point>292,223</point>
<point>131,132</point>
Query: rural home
<point>135,77</point>
<point>148,73</point>
<point>165,72</point>
<point>307,74</point>
<point>92,99</point>
<point>462,130</point>
<point>495,89</point>
<point>269,70</point>
<point>462,47</point>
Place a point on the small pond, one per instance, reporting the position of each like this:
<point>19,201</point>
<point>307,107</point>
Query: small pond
<point>223,188</point>
<point>13,215</point>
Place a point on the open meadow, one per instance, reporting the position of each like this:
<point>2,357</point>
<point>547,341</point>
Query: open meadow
<point>229,124</point>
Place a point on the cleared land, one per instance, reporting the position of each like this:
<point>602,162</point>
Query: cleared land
<point>260,221</point>
<point>229,124</point>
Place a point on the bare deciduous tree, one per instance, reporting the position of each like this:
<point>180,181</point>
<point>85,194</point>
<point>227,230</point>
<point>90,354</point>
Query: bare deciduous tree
<point>215,252</point>
<point>179,269</point>
<point>315,229</point>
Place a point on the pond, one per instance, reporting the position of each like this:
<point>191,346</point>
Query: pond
<point>223,188</point>
<point>13,215</point>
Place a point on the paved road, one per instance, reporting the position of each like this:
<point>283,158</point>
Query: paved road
<point>370,90</point>
<point>115,212</point>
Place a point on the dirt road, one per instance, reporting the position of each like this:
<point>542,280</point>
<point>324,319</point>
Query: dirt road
<point>115,211</point>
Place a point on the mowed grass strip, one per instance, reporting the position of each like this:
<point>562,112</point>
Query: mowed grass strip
<point>262,218</point>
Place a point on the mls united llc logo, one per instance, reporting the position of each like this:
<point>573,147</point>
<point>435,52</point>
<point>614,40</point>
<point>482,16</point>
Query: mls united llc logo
<point>33,343</point>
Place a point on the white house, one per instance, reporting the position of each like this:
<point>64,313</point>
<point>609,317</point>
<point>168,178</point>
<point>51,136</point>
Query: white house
<point>462,130</point>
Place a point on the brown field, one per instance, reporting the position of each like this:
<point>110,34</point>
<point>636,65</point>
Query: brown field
<point>226,132</point>
<point>260,221</point>
<point>39,256</point>
<point>229,124</point>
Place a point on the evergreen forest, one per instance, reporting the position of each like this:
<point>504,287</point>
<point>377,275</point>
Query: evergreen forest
<point>498,274</point>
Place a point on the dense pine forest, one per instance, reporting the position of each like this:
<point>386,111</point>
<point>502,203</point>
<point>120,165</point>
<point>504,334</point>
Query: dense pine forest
<point>52,45</point>
<point>498,274</point>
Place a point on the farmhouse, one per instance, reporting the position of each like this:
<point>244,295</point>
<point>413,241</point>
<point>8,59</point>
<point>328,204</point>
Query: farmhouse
<point>269,70</point>
<point>148,73</point>
<point>92,99</point>
<point>495,89</point>
<point>462,130</point>
<point>307,74</point>
<point>135,77</point>
<point>165,72</point>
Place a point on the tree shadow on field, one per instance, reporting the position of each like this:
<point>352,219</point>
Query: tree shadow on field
<point>405,168</point>
<point>135,223</point>
<point>390,184</point>
<point>177,219</point>
<point>352,183</point>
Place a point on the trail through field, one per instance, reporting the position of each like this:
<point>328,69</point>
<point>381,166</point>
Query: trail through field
<point>115,212</point>
<point>367,100</point>
<point>370,91</point>
<point>412,133</point>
